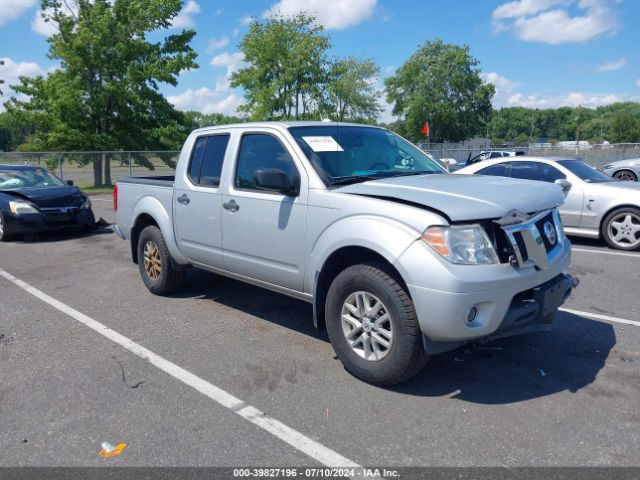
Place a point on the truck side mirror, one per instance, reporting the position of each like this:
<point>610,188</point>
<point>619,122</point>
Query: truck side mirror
<point>276,180</point>
<point>564,183</point>
<point>69,182</point>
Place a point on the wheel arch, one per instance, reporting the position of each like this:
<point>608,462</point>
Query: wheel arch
<point>335,263</point>
<point>142,221</point>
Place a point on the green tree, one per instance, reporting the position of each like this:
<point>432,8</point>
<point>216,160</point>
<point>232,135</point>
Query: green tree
<point>285,75</point>
<point>105,95</point>
<point>625,128</point>
<point>350,92</point>
<point>1,79</point>
<point>441,84</point>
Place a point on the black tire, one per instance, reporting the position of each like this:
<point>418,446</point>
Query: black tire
<point>626,175</point>
<point>609,219</point>
<point>406,355</point>
<point>168,279</point>
<point>4,236</point>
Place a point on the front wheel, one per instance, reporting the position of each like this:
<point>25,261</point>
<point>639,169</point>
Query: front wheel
<point>154,261</point>
<point>373,326</point>
<point>626,176</point>
<point>4,235</point>
<point>621,229</point>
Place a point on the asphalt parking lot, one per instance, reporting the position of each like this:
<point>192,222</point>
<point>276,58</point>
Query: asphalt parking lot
<point>569,397</point>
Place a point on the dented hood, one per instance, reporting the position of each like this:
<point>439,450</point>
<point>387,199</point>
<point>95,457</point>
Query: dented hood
<point>464,197</point>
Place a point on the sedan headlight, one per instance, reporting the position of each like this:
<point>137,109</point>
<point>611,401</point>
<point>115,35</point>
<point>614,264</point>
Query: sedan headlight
<point>86,203</point>
<point>20,208</point>
<point>462,244</point>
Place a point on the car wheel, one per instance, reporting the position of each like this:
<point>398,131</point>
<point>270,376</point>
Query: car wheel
<point>626,176</point>
<point>4,235</point>
<point>373,326</point>
<point>154,261</point>
<point>621,229</point>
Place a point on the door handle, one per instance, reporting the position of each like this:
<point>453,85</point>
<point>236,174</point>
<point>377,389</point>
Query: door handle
<point>231,205</point>
<point>183,199</point>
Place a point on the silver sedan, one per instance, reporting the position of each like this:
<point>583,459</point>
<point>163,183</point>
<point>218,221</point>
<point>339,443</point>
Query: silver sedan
<point>626,170</point>
<point>596,206</point>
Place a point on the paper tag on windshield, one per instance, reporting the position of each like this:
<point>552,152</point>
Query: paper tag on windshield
<point>323,144</point>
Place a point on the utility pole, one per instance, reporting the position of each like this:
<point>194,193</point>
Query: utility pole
<point>578,130</point>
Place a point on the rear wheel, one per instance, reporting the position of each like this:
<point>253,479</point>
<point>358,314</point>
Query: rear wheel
<point>373,326</point>
<point>626,176</point>
<point>4,236</point>
<point>621,229</point>
<point>154,262</point>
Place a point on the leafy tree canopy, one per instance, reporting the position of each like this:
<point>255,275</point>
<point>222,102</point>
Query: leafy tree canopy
<point>440,84</point>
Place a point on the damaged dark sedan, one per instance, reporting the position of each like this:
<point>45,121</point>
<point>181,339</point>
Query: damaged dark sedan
<point>33,200</point>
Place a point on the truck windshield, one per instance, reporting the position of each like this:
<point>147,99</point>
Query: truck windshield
<point>28,178</point>
<point>351,154</point>
<point>584,171</point>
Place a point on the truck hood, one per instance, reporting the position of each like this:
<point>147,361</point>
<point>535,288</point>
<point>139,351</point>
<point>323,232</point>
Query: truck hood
<point>464,197</point>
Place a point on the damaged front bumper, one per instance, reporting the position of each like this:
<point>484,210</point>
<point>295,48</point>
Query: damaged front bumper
<point>34,223</point>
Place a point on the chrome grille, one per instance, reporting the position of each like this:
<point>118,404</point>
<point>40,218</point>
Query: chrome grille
<point>537,241</point>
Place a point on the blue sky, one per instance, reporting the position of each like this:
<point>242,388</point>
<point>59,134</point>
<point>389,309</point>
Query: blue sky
<point>539,53</point>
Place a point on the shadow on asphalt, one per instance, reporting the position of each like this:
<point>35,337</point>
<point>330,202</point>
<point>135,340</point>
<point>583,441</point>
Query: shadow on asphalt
<point>567,358</point>
<point>509,370</point>
<point>63,235</point>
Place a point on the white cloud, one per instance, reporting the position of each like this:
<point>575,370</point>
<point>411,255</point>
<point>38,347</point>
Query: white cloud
<point>551,22</point>
<point>184,19</point>
<point>613,65</point>
<point>41,27</point>
<point>246,20</point>
<point>334,14</point>
<point>216,43</point>
<point>11,9</point>
<point>207,101</point>
<point>233,61</point>
<point>10,72</point>
<point>504,87</point>
<point>572,99</point>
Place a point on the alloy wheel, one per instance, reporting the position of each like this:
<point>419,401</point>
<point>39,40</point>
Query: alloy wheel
<point>624,230</point>
<point>367,326</point>
<point>152,261</point>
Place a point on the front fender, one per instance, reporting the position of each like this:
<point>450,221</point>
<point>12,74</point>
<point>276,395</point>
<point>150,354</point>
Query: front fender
<point>384,236</point>
<point>155,209</point>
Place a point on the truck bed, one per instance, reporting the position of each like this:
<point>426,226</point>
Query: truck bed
<point>154,180</point>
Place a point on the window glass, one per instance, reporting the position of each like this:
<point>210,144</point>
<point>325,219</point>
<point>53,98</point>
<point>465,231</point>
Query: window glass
<point>351,154</point>
<point>585,172</point>
<point>535,171</point>
<point>196,159</point>
<point>258,151</point>
<point>495,155</point>
<point>212,160</point>
<point>499,170</point>
<point>206,160</point>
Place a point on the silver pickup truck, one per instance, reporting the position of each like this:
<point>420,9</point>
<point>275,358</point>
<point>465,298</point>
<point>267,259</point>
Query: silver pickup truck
<point>399,259</point>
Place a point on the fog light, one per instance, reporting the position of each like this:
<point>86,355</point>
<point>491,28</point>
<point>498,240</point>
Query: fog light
<point>472,313</point>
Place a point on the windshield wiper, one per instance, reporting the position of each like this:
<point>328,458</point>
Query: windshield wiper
<point>408,174</point>
<point>354,179</point>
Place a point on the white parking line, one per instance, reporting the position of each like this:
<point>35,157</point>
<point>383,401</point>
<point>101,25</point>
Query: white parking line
<point>605,252</point>
<point>95,199</point>
<point>287,434</point>
<point>597,316</point>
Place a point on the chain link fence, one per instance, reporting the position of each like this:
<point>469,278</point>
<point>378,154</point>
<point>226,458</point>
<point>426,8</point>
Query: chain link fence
<point>105,168</point>
<point>595,155</point>
<point>96,168</point>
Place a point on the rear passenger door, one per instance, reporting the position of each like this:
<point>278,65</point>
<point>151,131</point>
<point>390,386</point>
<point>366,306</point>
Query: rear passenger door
<point>198,201</point>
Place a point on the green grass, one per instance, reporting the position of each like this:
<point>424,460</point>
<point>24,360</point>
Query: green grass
<point>87,187</point>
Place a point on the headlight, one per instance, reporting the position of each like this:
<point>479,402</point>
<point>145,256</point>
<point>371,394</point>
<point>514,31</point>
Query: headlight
<point>608,167</point>
<point>86,204</point>
<point>20,208</point>
<point>463,244</point>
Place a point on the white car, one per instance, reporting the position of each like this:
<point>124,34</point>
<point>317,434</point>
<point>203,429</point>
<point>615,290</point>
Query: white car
<point>596,206</point>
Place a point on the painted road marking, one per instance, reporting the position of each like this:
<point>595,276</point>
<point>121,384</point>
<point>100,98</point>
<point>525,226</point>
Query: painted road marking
<point>605,252</point>
<point>597,316</point>
<point>287,434</point>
